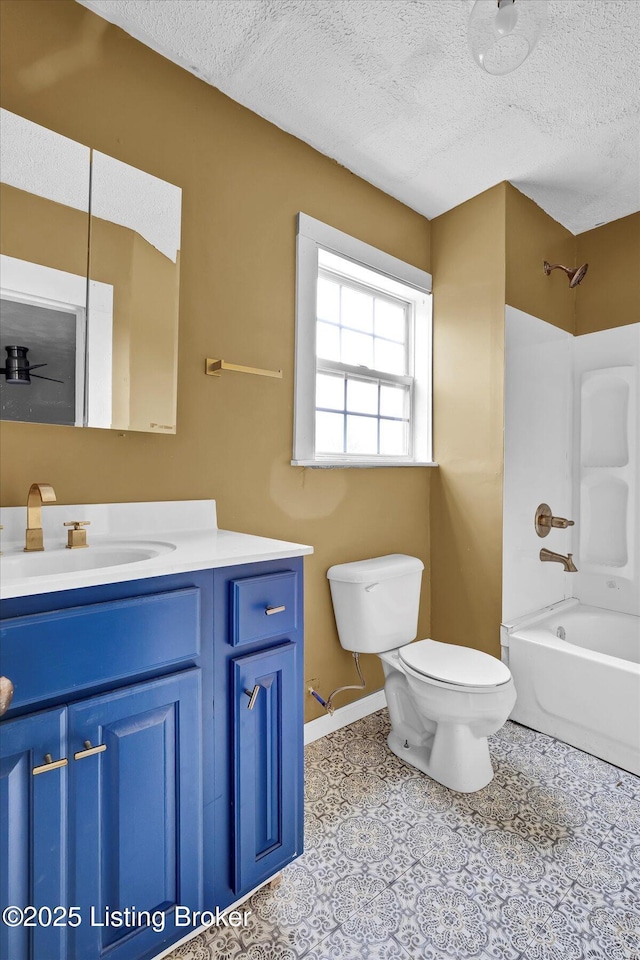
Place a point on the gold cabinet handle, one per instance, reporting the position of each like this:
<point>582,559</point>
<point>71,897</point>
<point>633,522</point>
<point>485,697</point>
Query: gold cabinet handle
<point>271,610</point>
<point>6,694</point>
<point>49,764</point>
<point>89,751</point>
<point>253,696</point>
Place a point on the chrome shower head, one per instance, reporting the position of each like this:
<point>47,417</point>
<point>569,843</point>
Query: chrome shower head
<point>576,274</point>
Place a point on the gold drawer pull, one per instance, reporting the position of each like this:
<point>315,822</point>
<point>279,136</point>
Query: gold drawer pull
<point>49,764</point>
<point>271,610</point>
<point>253,696</point>
<point>89,750</point>
<point>6,694</point>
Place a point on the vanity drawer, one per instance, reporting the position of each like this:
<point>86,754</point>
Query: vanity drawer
<point>55,654</point>
<point>263,607</point>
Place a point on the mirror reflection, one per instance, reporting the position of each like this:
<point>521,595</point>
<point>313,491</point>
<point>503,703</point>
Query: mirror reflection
<point>44,231</point>
<point>89,280</point>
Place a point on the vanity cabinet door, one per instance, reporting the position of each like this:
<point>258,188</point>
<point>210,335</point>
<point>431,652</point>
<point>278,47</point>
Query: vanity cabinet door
<point>32,832</point>
<point>135,790</point>
<point>267,751</point>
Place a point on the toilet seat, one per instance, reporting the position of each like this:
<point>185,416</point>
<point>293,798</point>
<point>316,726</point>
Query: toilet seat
<point>452,665</point>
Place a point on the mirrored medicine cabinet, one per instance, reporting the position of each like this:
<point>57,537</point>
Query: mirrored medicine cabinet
<point>89,281</point>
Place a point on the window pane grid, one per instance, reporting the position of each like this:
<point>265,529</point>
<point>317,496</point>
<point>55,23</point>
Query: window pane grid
<point>358,326</point>
<point>326,275</point>
<point>356,413</point>
<point>345,326</point>
<point>351,430</point>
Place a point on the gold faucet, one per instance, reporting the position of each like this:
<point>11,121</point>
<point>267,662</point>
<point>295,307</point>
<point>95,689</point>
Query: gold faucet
<point>39,493</point>
<point>567,562</point>
<point>76,536</point>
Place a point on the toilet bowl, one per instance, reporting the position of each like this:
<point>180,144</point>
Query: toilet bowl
<point>444,700</point>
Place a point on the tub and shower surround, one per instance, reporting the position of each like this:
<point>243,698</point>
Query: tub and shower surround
<point>537,462</point>
<point>606,473</point>
<point>571,440</point>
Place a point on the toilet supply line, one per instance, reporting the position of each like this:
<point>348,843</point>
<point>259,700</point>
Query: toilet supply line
<point>328,703</point>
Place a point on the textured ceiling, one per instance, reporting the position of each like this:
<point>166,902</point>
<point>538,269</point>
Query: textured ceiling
<point>389,89</point>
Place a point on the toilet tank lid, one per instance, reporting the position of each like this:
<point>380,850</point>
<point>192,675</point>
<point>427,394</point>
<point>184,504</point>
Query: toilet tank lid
<point>378,568</point>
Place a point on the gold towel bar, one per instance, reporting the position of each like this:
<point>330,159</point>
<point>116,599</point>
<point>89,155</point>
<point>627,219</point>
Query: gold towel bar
<point>214,368</point>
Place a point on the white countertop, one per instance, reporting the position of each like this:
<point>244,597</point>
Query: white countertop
<point>185,531</point>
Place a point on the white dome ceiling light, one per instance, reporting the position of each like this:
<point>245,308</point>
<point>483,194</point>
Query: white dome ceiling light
<point>502,33</point>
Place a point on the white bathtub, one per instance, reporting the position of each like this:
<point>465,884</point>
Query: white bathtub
<point>583,689</point>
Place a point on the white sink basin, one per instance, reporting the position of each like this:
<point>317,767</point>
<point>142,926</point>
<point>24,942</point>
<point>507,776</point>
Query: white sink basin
<point>18,566</point>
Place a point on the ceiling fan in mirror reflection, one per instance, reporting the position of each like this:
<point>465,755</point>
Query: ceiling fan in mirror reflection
<point>18,369</point>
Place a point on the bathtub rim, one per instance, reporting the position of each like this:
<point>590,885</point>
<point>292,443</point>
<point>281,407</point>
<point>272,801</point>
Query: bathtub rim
<point>515,631</point>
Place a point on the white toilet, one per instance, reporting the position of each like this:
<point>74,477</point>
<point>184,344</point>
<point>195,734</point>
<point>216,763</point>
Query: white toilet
<point>444,700</point>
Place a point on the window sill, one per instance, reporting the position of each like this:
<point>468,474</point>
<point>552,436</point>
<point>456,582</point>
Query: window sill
<point>341,464</point>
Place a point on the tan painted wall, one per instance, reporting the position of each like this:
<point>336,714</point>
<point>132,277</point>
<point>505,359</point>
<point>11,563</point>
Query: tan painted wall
<point>243,181</point>
<point>466,491</point>
<point>609,296</point>
<point>532,237</point>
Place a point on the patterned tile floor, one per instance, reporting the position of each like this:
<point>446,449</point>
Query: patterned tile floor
<point>543,864</point>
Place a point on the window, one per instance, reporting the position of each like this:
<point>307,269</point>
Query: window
<point>363,354</point>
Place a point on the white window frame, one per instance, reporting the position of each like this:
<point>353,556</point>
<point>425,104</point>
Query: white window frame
<point>395,277</point>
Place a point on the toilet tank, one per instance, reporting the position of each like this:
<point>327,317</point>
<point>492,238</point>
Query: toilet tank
<point>376,602</point>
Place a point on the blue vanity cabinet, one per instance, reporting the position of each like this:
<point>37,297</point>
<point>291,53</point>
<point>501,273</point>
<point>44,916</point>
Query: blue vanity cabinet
<point>33,830</point>
<point>257,816</point>
<point>174,791</point>
<point>135,813</point>
<point>124,667</point>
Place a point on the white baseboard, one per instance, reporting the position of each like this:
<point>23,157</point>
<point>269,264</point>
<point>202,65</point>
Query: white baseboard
<point>342,717</point>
